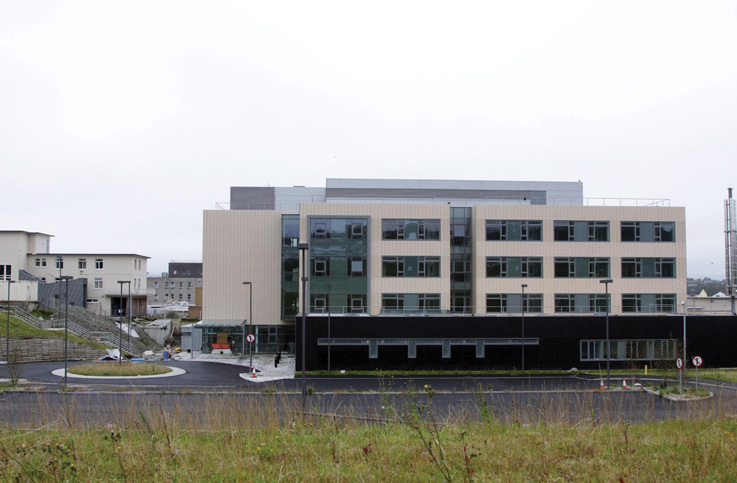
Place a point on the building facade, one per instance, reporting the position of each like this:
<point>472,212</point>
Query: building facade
<point>380,248</point>
<point>178,285</point>
<point>29,252</point>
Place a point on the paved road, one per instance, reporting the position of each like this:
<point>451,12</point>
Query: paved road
<point>210,393</point>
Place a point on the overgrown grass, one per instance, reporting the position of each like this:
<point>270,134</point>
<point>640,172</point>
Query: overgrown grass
<point>267,438</point>
<point>724,374</point>
<point>107,369</point>
<point>328,450</point>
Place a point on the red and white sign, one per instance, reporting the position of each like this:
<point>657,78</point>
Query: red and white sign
<point>697,361</point>
<point>679,363</point>
<point>250,338</point>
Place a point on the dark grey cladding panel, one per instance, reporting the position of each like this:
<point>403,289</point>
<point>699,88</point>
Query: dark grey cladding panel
<point>251,198</point>
<point>53,294</point>
<point>536,197</point>
<point>185,269</point>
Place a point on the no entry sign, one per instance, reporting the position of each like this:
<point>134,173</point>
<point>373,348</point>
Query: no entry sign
<point>697,361</point>
<point>250,338</point>
<point>679,363</point>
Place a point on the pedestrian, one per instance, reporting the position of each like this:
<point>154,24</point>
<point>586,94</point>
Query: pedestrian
<point>276,361</point>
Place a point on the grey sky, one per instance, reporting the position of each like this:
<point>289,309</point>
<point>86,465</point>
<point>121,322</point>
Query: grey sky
<point>121,121</point>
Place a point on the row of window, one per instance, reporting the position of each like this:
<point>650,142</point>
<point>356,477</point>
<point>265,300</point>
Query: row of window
<point>579,267</point>
<point>337,267</point>
<point>166,297</point>
<point>81,263</point>
<point>586,231</point>
<point>496,230</point>
<point>633,350</point>
<point>174,284</point>
<point>580,303</point>
<point>6,272</point>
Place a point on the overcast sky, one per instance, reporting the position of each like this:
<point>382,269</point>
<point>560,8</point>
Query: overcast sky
<point>120,122</point>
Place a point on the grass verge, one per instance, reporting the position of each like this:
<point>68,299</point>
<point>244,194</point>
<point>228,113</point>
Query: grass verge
<point>115,369</point>
<point>22,330</point>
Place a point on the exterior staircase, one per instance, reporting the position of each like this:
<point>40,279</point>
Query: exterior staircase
<point>86,324</point>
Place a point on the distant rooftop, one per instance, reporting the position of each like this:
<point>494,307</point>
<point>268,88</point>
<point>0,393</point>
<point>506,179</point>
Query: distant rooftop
<point>454,192</point>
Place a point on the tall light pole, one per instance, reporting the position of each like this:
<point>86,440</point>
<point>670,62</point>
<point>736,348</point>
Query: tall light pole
<point>59,265</point>
<point>524,286</point>
<point>606,283</point>
<point>7,328</point>
<point>130,315</point>
<point>330,286</point>
<point>250,322</point>
<point>65,279</point>
<point>685,360</point>
<point>120,321</point>
<point>303,247</point>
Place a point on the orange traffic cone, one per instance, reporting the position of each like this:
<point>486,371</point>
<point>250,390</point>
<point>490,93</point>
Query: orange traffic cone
<point>624,383</point>
<point>602,384</point>
<point>254,372</point>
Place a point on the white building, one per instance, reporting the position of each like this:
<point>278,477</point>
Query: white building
<point>30,252</point>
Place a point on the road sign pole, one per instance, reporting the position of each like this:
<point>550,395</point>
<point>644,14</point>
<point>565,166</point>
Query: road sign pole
<point>680,381</point>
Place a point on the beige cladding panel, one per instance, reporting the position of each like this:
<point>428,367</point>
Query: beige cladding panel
<point>239,246</point>
<point>615,250</point>
<point>380,248</point>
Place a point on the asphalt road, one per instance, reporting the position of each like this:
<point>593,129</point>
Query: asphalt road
<point>211,393</point>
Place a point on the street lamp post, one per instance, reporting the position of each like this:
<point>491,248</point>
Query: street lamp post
<point>606,283</point>
<point>7,328</point>
<point>303,247</point>
<point>330,286</point>
<point>685,360</point>
<point>120,321</point>
<point>130,315</point>
<point>524,286</point>
<point>250,322</point>
<point>65,279</point>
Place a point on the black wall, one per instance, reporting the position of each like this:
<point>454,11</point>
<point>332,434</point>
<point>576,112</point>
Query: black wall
<point>712,337</point>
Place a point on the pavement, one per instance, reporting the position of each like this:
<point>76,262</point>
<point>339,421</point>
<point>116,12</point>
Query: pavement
<point>262,363</point>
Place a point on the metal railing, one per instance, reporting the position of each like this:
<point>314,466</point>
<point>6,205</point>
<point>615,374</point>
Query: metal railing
<point>510,310</point>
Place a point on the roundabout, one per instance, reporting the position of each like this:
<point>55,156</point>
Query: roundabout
<point>173,371</point>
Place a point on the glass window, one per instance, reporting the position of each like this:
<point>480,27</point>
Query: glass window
<point>532,267</point>
<point>665,267</point>
<point>496,267</point>
<point>429,302</point>
<point>631,267</point>
<point>496,303</point>
<point>290,230</point>
<point>665,231</point>
<point>59,262</point>
<point>631,303</point>
<point>6,272</point>
<point>565,267</point>
<point>356,267</point>
<point>598,267</point>
<point>665,303</point>
<point>630,231</point>
<point>320,267</point>
<point>156,284</point>
<point>392,266</point>
<point>98,264</point>
<point>533,302</point>
<point>565,303</point>
<point>98,283</point>
<point>599,231</point>
<point>428,267</point>
<point>563,231</point>
<point>496,230</point>
<point>531,230</point>
<point>392,302</point>
<point>320,229</point>
<point>598,303</point>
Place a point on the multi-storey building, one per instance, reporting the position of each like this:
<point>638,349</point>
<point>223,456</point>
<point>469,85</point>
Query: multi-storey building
<point>381,248</point>
<point>177,285</point>
<point>29,252</point>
